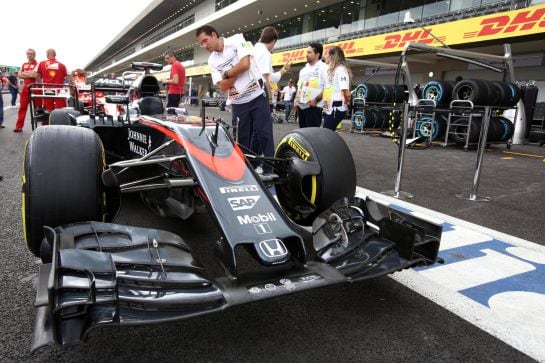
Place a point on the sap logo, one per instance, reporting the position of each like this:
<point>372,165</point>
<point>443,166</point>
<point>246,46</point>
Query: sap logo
<point>524,20</point>
<point>239,189</point>
<point>241,203</point>
<point>260,218</point>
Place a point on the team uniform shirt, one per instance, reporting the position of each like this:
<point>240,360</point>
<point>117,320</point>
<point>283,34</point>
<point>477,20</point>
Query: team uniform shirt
<point>263,58</point>
<point>248,85</point>
<point>333,90</point>
<point>312,80</point>
<point>288,92</point>
<point>52,71</point>
<point>29,67</point>
<point>177,88</point>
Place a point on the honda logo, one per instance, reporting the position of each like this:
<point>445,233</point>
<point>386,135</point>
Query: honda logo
<point>273,248</point>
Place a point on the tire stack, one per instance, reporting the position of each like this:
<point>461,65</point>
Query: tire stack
<point>489,93</point>
<point>439,91</point>
<point>436,127</point>
<point>478,91</point>
<point>381,93</point>
<point>500,129</point>
<point>375,117</point>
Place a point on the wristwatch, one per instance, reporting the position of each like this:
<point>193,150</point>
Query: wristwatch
<point>225,75</point>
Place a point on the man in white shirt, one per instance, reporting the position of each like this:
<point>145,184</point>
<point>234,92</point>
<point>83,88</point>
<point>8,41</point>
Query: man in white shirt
<point>263,58</point>
<point>288,93</point>
<point>310,87</point>
<point>234,71</point>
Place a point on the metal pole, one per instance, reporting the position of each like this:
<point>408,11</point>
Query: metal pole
<point>396,193</point>
<point>480,153</point>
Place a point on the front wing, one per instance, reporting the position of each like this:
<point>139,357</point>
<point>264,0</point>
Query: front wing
<point>108,274</point>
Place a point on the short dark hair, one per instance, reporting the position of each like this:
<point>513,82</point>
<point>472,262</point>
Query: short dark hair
<point>268,34</point>
<point>206,29</point>
<point>169,53</point>
<point>318,48</point>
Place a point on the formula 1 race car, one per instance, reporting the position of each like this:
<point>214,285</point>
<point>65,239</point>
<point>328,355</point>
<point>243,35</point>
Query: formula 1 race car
<point>301,223</point>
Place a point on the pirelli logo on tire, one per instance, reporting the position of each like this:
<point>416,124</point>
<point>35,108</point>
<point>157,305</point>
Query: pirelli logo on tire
<point>300,150</point>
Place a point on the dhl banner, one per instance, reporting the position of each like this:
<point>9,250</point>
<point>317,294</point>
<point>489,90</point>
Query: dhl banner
<point>197,71</point>
<point>503,25</point>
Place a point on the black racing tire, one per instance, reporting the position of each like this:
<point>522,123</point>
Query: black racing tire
<point>357,120</point>
<point>501,129</point>
<point>513,95</point>
<point>425,126</point>
<point>304,196</point>
<point>76,104</point>
<point>388,93</point>
<point>459,129</point>
<point>439,91</point>
<point>61,181</point>
<point>63,117</point>
<point>473,90</point>
<point>369,120</point>
<point>379,117</point>
<point>400,93</point>
<point>359,91</point>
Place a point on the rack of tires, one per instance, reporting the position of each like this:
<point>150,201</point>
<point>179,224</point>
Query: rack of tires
<point>372,107</point>
<point>462,125</point>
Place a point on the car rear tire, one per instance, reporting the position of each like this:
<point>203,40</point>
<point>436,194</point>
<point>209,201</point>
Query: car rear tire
<point>63,117</point>
<point>61,180</point>
<point>305,194</point>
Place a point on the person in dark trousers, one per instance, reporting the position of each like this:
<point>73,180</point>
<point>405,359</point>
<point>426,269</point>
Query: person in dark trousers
<point>29,73</point>
<point>336,94</point>
<point>234,71</point>
<point>13,87</point>
<point>310,88</point>
<point>176,81</point>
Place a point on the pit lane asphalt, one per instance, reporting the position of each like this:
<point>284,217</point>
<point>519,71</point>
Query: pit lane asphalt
<point>377,320</point>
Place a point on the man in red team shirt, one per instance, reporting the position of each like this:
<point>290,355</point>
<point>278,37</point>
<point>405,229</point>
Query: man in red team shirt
<point>29,73</point>
<point>176,82</point>
<point>52,71</point>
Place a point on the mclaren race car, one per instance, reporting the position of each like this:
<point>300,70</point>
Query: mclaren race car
<point>300,224</point>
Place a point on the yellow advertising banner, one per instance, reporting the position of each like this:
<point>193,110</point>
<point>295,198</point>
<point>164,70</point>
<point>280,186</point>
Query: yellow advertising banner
<point>509,24</point>
<point>197,71</point>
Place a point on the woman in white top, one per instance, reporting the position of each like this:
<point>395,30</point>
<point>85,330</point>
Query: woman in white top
<point>336,94</point>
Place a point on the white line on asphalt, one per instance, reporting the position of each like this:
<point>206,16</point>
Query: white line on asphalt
<point>491,279</point>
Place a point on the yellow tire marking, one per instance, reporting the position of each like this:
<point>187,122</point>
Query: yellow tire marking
<point>313,190</point>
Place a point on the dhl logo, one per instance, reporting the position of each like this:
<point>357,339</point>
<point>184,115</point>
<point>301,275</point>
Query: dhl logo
<point>300,55</point>
<point>295,56</point>
<point>399,40</point>
<point>524,20</point>
<point>348,48</point>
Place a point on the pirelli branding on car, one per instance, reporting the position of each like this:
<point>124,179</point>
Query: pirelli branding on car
<point>300,150</point>
<point>242,203</point>
<point>139,143</point>
<point>239,189</point>
<point>255,219</point>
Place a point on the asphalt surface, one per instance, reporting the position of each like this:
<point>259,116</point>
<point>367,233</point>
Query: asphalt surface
<point>377,320</point>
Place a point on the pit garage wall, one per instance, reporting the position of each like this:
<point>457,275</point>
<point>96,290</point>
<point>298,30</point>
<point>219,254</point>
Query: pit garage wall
<point>499,26</point>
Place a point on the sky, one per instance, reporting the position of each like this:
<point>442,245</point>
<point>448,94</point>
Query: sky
<point>76,29</point>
